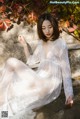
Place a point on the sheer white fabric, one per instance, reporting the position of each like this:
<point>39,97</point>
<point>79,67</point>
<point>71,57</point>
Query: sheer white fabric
<point>23,87</point>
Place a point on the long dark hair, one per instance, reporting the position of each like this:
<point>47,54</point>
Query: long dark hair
<point>54,23</point>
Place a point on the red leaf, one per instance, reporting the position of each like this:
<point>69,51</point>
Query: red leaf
<point>2,1</point>
<point>2,9</point>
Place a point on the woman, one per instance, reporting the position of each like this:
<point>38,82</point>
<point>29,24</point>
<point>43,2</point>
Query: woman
<point>21,87</point>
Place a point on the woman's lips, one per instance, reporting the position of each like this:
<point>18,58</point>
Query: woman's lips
<point>47,34</point>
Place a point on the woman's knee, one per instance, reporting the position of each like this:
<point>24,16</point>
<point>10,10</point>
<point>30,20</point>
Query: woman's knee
<point>12,62</point>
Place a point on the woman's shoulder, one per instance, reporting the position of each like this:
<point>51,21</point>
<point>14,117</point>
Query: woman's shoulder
<point>39,42</point>
<point>62,42</point>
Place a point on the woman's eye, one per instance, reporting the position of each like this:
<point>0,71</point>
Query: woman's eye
<point>50,27</point>
<point>43,28</point>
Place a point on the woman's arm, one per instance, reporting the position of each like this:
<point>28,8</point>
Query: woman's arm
<point>25,46</point>
<point>66,73</point>
<point>34,59</point>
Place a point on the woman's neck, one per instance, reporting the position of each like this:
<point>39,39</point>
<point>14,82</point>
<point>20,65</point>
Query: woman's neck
<point>50,39</point>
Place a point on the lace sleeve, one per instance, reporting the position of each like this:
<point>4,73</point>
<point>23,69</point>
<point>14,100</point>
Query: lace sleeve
<point>34,59</point>
<point>66,72</point>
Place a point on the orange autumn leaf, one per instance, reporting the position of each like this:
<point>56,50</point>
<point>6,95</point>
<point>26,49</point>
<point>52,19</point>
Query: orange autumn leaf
<point>2,9</point>
<point>1,25</point>
<point>5,23</point>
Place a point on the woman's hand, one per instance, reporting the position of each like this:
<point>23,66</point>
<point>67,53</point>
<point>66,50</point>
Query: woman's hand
<point>23,43</point>
<point>69,102</point>
<point>22,40</point>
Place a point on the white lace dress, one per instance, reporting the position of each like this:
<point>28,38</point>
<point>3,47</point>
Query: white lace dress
<point>24,87</point>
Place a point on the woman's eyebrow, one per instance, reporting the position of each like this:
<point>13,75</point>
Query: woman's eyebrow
<point>50,25</point>
<point>43,26</point>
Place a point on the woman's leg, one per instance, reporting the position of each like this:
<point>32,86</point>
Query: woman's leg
<point>18,80</point>
<point>12,66</point>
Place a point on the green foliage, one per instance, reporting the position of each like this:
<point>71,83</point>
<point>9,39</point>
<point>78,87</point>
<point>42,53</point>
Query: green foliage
<point>65,11</point>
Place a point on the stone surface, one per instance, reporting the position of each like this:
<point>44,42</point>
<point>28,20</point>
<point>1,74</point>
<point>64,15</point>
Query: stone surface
<point>9,45</point>
<point>74,56</point>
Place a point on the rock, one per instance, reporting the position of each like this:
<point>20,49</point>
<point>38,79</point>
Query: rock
<point>74,56</point>
<point>9,45</point>
<point>68,38</point>
<point>74,46</point>
<point>57,110</point>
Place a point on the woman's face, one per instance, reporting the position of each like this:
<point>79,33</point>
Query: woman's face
<point>47,29</point>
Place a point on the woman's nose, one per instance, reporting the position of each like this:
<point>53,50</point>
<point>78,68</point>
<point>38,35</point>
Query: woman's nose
<point>47,30</point>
